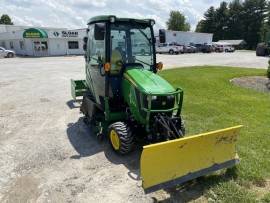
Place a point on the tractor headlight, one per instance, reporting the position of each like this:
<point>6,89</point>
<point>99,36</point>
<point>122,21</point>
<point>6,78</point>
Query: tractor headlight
<point>170,97</point>
<point>151,98</point>
<point>170,100</point>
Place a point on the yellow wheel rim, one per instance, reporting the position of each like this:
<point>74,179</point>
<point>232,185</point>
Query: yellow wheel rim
<point>114,140</point>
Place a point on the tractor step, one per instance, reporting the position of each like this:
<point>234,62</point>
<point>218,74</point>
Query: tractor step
<point>78,88</point>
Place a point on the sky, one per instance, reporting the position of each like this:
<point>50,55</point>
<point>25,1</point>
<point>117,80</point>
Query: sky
<point>75,13</point>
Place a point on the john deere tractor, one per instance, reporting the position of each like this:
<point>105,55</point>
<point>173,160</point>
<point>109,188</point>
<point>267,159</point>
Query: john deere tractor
<point>125,99</point>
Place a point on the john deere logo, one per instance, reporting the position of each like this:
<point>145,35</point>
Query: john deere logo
<point>56,34</point>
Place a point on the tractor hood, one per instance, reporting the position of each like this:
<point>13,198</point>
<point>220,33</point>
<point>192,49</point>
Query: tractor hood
<point>148,82</point>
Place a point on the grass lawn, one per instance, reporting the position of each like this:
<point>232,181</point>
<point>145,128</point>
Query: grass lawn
<point>211,102</point>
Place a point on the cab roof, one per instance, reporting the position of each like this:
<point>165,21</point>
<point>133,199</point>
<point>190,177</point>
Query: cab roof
<point>103,18</point>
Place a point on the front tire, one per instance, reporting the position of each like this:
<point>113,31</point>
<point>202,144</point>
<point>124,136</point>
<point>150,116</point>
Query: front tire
<point>121,137</point>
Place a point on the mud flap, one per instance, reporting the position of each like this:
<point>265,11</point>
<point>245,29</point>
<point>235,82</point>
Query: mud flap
<point>174,162</point>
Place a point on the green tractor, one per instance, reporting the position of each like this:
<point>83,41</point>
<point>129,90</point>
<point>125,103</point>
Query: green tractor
<point>125,99</point>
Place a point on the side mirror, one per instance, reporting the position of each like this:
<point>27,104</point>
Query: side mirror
<point>84,47</point>
<point>162,36</point>
<point>99,31</point>
<point>85,39</point>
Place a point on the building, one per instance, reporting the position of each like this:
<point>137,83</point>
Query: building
<point>237,44</point>
<point>42,41</point>
<point>185,38</point>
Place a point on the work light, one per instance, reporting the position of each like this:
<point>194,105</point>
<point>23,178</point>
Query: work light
<point>112,19</point>
<point>152,22</point>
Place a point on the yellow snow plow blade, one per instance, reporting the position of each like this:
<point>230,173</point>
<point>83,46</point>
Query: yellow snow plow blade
<point>174,162</point>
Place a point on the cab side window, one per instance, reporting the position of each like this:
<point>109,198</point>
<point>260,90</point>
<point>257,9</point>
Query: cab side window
<point>95,48</point>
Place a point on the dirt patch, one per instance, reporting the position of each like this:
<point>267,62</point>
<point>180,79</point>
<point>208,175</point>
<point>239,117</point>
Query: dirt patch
<point>258,83</point>
<point>44,100</point>
<point>262,189</point>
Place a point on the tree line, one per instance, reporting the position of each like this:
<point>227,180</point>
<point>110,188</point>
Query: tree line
<point>248,20</point>
<point>177,22</point>
<point>239,19</point>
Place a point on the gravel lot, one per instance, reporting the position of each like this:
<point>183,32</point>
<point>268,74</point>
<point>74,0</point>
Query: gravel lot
<point>47,154</point>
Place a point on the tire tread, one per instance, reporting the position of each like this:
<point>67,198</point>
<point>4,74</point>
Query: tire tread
<point>125,135</point>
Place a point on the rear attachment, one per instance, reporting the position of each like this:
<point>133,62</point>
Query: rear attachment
<point>78,88</point>
<point>177,161</point>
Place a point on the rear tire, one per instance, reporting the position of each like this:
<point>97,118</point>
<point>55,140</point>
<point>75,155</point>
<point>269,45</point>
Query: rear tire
<point>121,137</point>
<point>171,52</point>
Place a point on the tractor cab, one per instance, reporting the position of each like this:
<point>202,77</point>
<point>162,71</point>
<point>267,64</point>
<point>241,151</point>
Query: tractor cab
<point>131,44</point>
<point>112,46</point>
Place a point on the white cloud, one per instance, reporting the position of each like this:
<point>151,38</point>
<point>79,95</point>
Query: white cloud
<point>75,13</point>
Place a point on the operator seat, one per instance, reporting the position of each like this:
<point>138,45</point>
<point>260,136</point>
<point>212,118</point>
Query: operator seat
<point>115,73</point>
<point>116,62</point>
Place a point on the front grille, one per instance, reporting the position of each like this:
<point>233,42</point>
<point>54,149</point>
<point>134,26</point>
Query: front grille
<point>160,102</point>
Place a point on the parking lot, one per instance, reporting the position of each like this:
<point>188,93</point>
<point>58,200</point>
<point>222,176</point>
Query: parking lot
<point>246,59</point>
<point>47,152</point>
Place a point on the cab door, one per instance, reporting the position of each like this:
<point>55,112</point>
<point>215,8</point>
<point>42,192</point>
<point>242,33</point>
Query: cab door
<point>94,62</point>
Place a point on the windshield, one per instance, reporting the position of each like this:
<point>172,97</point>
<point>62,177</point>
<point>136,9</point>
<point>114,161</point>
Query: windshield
<point>131,43</point>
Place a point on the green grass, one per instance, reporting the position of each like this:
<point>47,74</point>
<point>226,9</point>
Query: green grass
<point>266,198</point>
<point>211,102</point>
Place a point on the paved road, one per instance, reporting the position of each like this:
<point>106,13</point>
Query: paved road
<point>238,59</point>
